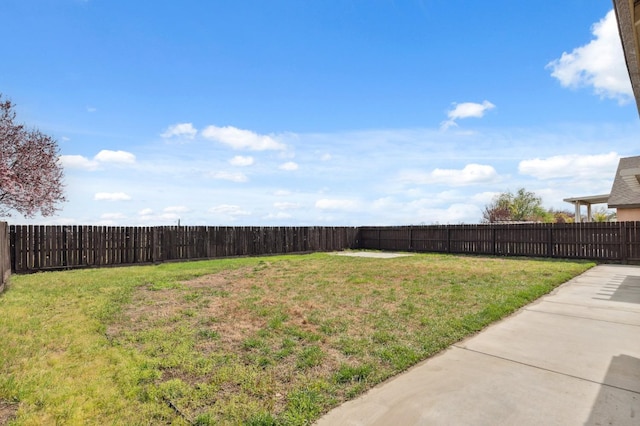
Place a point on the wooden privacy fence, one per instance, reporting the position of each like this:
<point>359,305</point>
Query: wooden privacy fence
<point>35,248</point>
<point>612,241</point>
<point>5,255</point>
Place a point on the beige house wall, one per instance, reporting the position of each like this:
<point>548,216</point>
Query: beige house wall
<point>626,215</point>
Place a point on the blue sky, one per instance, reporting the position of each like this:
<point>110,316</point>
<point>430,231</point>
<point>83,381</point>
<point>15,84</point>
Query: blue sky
<point>318,112</point>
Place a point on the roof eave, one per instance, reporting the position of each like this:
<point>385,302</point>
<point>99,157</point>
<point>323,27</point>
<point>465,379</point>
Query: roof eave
<point>625,14</point>
<point>623,206</point>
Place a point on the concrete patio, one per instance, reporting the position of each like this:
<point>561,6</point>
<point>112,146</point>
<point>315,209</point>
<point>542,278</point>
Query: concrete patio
<point>570,358</point>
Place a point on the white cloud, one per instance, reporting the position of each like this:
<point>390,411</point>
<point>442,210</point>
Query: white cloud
<point>385,203</point>
<point>455,213</point>
<point>422,211</point>
<point>233,177</point>
<point>484,197</point>
<point>241,139</point>
<point>599,64</point>
<point>229,210</point>
<point>107,156</point>
<point>289,166</point>
<point>112,216</point>
<point>471,174</point>
<point>111,196</point>
<point>241,161</point>
<point>104,156</point>
<point>78,162</point>
<point>282,193</point>
<point>175,209</point>
<point>278,216</point>
<point>466,110</point>
<point>286,205</point>
<point>181,130</point>
<point>145,212</point>
<point>169,216</point>
<point>336,204</point>
<point>571,166</point>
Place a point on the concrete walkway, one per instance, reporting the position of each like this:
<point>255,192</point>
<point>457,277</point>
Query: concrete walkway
<point>570,358</point>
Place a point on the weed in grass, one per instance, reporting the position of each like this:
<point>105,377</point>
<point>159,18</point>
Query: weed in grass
<point>407,308</point>
<point>264,333</point>
<point>193,296</point>
<point>351,346</point>
<point>350,373</point>
<point>301,334</point>
<point>189,312</point>
<point>391,295</point>
<point>277,319</point>
<point>208,334</point>
<point>286,349</point>
<point>399,356</point>
<point>303,405</point>
<point>253,343</point>
<point>357,300</point>
<point>211,320</point>
<point>261,419</point>
<point>357,279</point>
<point>205,419</point>
<point>314,317</point>
<point>334,326</point>
<point>310,356</point>
<point>164,285</point>
<point>382,337</point>
<point>355,390</point>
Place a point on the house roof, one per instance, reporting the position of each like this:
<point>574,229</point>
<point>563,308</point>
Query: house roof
<point>625,191</point>
<point>628,14</point>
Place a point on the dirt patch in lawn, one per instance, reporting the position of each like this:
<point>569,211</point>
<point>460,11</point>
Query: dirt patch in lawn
<point>8,411</point>
<point>204,299</point>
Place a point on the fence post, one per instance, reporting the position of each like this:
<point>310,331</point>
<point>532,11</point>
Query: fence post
<point>65,247</point>
<point>5,255</point>
<point>12,247</point>
<point>494,250</point>
<point>411,238</point>
<point>623,242</point>
<point>156,243</point>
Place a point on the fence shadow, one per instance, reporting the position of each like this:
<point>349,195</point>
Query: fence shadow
<point>618,402</point>
<point>627,291</point>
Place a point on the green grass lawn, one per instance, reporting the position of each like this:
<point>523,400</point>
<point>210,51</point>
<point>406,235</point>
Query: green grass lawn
<point>259,341</point>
